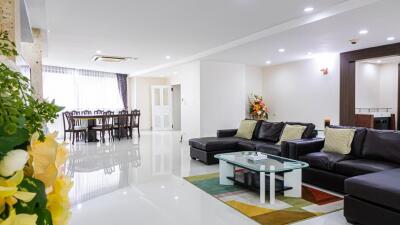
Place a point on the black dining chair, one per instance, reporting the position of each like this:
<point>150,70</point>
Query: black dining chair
<point>106,125</point>
<point>73,129</point>
<point>121,127</point>
<point>134,122</point>
<point>86,112</point>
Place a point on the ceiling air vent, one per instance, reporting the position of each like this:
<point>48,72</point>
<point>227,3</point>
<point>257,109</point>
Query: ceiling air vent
<point>113,59</point>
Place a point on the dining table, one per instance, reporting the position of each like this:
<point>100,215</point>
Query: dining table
<point>92,122</point>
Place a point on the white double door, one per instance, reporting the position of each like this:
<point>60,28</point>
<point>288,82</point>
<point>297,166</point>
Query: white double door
<point>161,103</point>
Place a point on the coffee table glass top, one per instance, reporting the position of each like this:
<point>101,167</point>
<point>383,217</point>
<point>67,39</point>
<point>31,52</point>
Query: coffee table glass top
<point>271,164</point>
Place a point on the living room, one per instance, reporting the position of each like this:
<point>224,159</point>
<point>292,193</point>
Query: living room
<point>200,112</point>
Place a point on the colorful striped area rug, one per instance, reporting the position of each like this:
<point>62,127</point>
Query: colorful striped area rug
<point>286,210</point>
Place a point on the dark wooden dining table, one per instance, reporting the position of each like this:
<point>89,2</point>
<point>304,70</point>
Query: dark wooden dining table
<point>92,119</point>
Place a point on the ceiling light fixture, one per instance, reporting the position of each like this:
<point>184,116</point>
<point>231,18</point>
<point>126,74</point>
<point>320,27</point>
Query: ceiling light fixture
<point>175,72</point>
<point>391,38</point>
<point>362,32</point>
<point>98,52</point>
<point>167,57</point>
<point>268,62</point>
<point>308,9</point>
<point>281,50</point>
<point>379,61</point>
<point>309,53</point>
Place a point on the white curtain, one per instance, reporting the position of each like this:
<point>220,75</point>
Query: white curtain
<point>77,89</point>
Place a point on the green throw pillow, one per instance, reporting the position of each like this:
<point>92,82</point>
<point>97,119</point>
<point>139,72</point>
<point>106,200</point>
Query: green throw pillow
<point>246,129</point>
<point>338,140</point>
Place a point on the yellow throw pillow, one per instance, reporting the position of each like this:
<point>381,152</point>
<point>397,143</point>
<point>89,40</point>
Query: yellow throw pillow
<point>246,129</point>
<point>292,132</point>
<point>338,140</point>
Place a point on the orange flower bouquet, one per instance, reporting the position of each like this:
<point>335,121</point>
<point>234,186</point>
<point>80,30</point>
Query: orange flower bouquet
<point>257,108</point>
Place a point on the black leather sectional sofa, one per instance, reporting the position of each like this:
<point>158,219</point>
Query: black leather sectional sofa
<point>265,137</point>
<point>369,176</point>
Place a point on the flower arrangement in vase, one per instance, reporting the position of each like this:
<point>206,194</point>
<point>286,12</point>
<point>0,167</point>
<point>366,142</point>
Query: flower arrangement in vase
<point>33,189</point>
<point>257,108</point>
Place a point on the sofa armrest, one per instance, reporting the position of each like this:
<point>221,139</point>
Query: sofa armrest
<point>296,148</point>
<point>226,133</point>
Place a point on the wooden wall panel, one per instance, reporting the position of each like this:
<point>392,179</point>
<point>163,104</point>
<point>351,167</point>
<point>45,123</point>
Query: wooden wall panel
<point>348,78</point>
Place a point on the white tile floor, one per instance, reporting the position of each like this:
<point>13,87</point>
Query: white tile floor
<point>140,182</point>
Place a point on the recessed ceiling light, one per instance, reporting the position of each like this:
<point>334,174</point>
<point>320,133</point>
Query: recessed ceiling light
<point>363,31</point>
<point>268,62</point>
<point>390,38</point>
<point>379,61</point>
<point>281,50</point>
<point>98,52</point>
<point>167,57</point>
<point>308,9</point>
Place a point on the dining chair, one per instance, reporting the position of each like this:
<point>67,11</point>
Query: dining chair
<point>98,112</point>
<point>134,122</point>
<point>122,125</point>
<point>86,112</point>
<point>73,129</point>
<point>106,125</point>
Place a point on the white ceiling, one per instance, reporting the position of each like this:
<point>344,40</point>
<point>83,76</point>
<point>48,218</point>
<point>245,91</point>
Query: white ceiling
<point>330,35</point>
<point>242,31</point>
<point>152,29</point>
<point>383,60</point>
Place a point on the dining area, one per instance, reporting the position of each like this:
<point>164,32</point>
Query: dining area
<point>100,125</point>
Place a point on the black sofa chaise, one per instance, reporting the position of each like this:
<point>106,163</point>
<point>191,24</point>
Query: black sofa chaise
<point>369,176</point>
<point>265,137</point>
<point>373,198</point>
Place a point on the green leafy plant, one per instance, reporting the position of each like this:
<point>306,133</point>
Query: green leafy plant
<point>7,47</point>
<point>21,113</point>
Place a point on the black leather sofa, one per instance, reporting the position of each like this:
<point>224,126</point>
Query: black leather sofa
<point>368,176</point>
<point>265,137</point>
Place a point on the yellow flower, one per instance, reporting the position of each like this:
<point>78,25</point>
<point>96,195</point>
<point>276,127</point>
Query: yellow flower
<point>58,202</point>
<point>9,193</point>
<point>47,157</point>
<point>20,219</point>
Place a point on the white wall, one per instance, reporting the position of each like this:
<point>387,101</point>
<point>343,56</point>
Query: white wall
<point>188,76</point>
<point>389,86</point>
<point>222,90</point>
<point>367,85</point>
<point>253,83</point>
<point>140,91</point>
<point>298,91</point>
<point>376,86</point>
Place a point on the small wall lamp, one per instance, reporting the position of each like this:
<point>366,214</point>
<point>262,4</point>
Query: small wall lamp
<point>324,71</point>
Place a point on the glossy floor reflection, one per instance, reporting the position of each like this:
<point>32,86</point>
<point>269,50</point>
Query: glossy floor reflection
<point>140,182</point>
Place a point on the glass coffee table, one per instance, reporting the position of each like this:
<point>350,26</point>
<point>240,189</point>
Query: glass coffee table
<point>253,173</point>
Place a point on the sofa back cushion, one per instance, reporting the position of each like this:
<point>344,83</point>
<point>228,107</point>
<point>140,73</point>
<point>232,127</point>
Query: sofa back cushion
<point>270,132</point>
<point>309,132</point>
<point>382,145</point>
<point>358,140</point>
